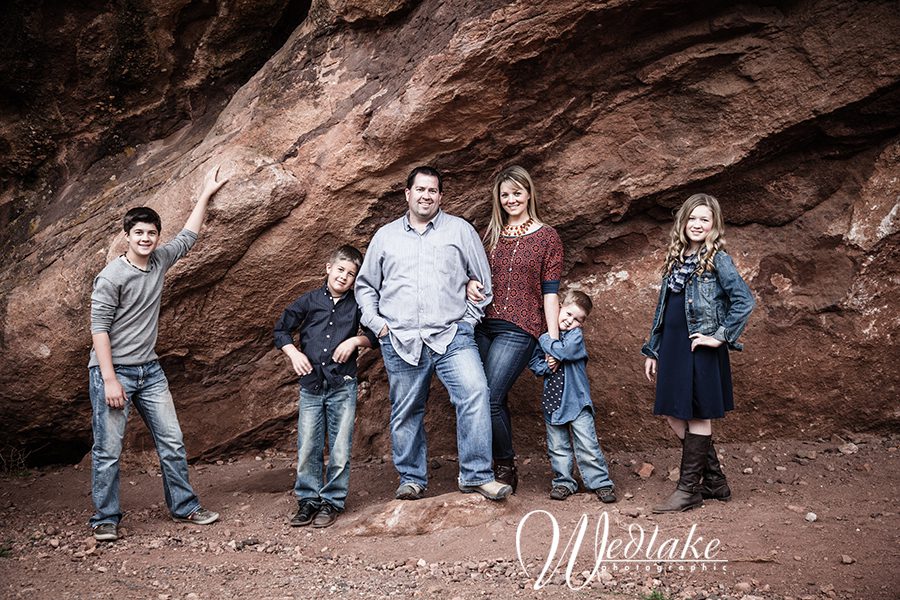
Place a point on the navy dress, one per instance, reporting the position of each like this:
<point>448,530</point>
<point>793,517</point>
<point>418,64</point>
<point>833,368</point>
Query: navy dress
<point>690,385</point>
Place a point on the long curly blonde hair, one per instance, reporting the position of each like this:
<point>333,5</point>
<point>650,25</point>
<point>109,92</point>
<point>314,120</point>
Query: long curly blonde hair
<point>678,241</point>
<point>520,177</point>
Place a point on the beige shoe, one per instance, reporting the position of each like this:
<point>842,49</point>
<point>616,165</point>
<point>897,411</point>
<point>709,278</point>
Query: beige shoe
<point>492,490</point>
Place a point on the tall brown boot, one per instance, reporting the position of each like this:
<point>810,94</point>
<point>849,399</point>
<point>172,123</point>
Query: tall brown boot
<point>693,462</point>
<point>714,486</point>
<point>505,472</point>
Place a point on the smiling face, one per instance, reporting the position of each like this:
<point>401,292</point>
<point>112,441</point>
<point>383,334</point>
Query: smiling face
<point>699,224</point>
<point>514,200</point>
<point>143,238</point>
<point>571,316</point>
<point>423,198</point>
<point>341,276</point>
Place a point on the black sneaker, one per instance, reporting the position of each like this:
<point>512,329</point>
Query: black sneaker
<point>306,511</point>
<point>106,532</point>
<point>560,492</point>
<point>606,494</point>
<point>326,516</point>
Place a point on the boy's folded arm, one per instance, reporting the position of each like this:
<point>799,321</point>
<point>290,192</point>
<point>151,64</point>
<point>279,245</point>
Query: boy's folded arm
<point>570,347</point>
<point>369,339</point>
<point>346,348</point>
<point>289,321</point>
<point>538,364</point>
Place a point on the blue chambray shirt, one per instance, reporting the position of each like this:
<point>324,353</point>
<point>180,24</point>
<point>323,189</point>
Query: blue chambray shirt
<point>571,352</point>
<point>416,283</point>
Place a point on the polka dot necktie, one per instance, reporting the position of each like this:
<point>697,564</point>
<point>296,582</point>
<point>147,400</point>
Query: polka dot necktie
<point>553,392</point>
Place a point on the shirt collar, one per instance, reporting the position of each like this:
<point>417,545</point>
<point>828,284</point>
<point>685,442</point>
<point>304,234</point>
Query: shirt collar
<point>435,221</point>
<point>324,291</point>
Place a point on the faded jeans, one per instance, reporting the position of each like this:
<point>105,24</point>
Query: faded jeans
<point>147,390</point>
<point>587,453</point>
<point>505,351</point>
<point>461,372</point>
<point>332,411</point>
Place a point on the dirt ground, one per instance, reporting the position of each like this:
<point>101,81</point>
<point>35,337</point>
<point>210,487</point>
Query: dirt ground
<point>451,545</point>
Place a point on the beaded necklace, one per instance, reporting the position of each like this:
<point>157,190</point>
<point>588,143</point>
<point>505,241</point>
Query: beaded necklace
<point>517,230</point>
<point>125,256</point>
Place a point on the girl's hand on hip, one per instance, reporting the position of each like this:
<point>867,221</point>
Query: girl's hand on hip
<point>650,369</point>
<point>704,340</point>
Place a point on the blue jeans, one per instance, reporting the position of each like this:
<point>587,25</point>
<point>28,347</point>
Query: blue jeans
<point>332,410</point>
<point>461,372</point>
<point>505,351</point>
<point>591,462</point>
<point>147,390</point>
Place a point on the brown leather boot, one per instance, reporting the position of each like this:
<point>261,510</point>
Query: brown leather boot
<point>505,472</point>
<point>693,462</point>
<point>714,487</point>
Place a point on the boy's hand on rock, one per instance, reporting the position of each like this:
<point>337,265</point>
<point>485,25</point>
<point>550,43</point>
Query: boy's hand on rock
<point>212,183</point>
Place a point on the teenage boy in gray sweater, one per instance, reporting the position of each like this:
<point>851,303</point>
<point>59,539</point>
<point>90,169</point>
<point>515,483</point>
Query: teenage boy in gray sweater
<point>124,370</point>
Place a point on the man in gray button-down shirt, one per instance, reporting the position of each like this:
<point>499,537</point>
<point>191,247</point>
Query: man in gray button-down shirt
<point>411,290</point>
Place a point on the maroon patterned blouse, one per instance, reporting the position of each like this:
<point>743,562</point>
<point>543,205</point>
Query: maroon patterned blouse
<point>523,269</point>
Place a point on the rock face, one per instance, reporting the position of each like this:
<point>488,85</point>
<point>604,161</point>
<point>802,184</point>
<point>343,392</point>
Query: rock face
<point>620,110</point>
<point>436,513</point>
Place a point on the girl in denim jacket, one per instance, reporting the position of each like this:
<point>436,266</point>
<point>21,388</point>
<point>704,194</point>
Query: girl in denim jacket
<point>703,307</point>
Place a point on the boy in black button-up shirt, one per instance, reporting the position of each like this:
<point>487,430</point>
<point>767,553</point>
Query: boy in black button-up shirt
<point>328,320</point>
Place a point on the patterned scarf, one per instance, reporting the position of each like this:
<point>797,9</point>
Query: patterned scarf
<point>683,272</point>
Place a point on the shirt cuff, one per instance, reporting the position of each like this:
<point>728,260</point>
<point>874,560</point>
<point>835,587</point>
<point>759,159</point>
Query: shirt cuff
<point>550,287</point>
<point>720,334</point>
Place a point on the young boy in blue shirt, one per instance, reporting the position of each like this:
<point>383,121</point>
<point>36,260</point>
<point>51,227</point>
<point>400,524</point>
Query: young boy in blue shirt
<point>567,405</point>
<point>328,321</point>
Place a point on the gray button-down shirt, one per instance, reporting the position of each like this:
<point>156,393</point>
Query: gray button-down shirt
<point>416,283</point>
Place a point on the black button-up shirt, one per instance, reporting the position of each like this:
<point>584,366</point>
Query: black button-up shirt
<point>323,325</point>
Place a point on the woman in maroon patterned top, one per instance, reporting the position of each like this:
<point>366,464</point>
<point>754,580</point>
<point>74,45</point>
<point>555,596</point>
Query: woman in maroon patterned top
<point>526,259</point>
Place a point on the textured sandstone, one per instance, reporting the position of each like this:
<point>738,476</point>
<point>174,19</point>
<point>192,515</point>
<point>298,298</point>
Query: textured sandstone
<point>619,109</point>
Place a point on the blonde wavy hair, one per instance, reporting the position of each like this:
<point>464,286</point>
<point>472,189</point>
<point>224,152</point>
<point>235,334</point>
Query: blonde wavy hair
<point>679,243</point>
<point>520,177</point>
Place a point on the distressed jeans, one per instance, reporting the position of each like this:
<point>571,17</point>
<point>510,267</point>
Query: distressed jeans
<point>587,453</point>
<point>147,390</point>
<point>332,411</point>
<point>461,372</point>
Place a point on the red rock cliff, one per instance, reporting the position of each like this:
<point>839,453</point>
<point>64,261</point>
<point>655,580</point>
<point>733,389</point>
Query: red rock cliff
<point>788,113</point>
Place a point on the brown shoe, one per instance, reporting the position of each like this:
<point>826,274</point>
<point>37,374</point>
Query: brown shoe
<point>693,462</point>
<point>505,472</point>
<point>326,516</point>
<point>714,486</point>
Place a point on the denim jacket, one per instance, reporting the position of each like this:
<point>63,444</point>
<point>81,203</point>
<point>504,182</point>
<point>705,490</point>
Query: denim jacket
<point>571,352</point>
<point>717,304</point>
